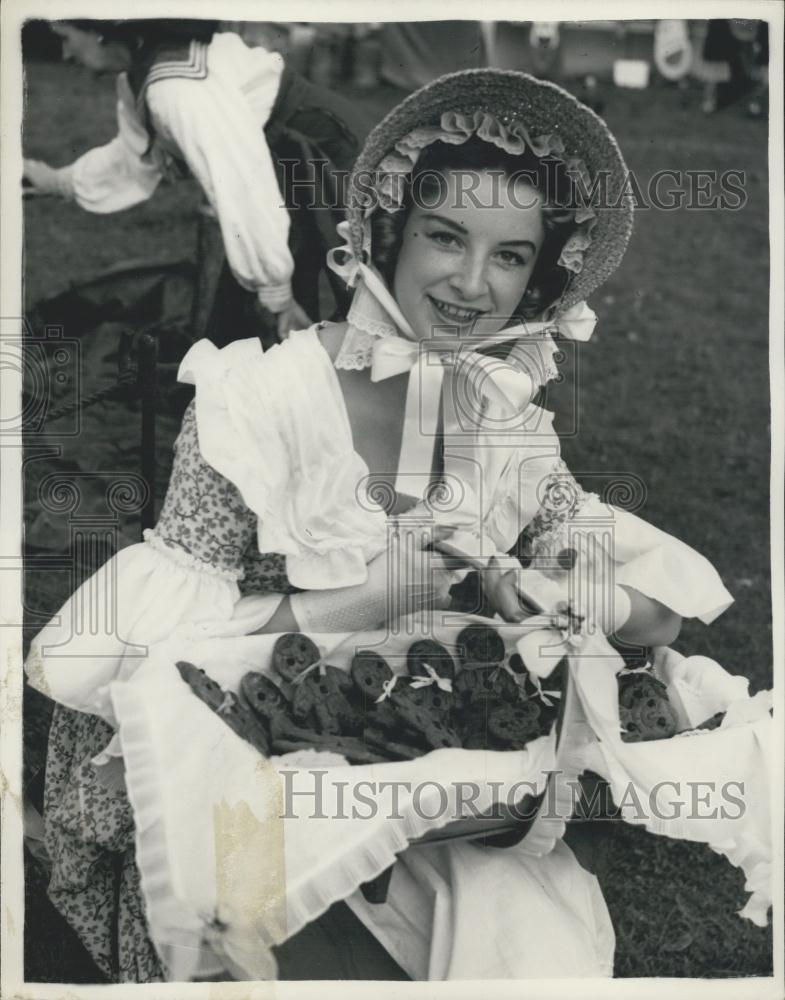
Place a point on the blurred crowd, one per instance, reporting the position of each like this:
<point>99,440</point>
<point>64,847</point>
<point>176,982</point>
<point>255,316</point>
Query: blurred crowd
<point>728,58</point>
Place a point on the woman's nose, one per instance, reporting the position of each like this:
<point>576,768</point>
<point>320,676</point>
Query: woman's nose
<point>470,279</point>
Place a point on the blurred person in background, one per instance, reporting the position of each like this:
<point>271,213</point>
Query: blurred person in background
<point>193,100</point>
<point>544,42</point>
<point>416,52</point>
<point>757,106</point>
<point>730,53</point>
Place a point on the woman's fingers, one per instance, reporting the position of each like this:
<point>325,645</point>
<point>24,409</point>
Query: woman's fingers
<point>293,317</point>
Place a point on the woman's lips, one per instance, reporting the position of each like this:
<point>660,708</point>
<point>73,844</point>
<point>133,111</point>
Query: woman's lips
<point>453,313</point>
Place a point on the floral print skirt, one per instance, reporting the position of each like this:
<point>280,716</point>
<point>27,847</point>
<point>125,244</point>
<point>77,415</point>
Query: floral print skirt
<point>89,829</point>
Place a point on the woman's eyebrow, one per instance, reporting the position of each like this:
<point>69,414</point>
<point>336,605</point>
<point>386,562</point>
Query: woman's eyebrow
<point>433,217</point>
<point>518,243</point>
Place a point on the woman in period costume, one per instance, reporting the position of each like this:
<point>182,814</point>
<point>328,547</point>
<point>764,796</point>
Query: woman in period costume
<point>470,239</point>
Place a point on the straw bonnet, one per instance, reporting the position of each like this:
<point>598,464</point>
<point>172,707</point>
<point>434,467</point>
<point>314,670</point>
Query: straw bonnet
<point>543,115</point>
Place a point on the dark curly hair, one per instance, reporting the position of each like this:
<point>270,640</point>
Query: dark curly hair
<point>548,175</point>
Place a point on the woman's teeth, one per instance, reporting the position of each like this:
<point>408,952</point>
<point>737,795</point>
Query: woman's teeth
<point>454,312</point>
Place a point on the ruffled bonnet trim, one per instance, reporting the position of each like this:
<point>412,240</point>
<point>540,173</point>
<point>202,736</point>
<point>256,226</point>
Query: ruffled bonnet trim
<point>455,129</point>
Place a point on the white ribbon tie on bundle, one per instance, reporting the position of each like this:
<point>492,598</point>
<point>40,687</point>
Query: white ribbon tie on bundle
<point>443,683</point>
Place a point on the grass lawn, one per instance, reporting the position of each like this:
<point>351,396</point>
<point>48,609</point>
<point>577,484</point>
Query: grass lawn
<point>672,389</point>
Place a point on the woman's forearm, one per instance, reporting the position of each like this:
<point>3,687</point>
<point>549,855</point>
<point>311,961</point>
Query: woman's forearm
<point>397,584</point>
<point>346,609</point>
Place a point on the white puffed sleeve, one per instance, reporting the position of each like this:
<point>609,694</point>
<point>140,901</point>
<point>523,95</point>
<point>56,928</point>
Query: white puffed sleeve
<point>221,138</point>
<point>274,424</point>
<point>656,563</point>
<point>640,556</point>
<point>116,176</point>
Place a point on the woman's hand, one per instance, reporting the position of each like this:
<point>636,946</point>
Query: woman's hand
<point>40,176</point>
<point>291,317</point>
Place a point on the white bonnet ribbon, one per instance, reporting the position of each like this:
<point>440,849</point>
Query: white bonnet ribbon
<point>348,266</point>
<point>488,377</point>
<point>577,323</point>
<point>352,270</point>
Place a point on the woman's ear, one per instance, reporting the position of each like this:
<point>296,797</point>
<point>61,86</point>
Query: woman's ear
<point>386,238</point>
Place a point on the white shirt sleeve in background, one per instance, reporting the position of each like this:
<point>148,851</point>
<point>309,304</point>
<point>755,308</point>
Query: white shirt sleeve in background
<point>114,177</point>
<point>218,125</point>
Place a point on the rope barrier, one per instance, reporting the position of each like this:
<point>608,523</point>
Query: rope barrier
<point>129,378</point>
<point>123,383</point>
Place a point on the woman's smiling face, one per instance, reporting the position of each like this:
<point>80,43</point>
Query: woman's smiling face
<point>469,259</point>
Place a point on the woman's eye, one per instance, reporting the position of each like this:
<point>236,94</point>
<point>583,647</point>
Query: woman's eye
<point>444,238</point>
<point>510,258</point>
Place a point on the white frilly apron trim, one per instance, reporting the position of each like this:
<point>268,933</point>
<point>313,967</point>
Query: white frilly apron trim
<point>174,930</point>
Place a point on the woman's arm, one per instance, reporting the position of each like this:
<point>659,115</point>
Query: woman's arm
<point>407,577</point>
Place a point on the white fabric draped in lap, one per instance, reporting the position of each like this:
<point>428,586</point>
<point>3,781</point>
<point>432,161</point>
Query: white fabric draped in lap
<point>296,867</point>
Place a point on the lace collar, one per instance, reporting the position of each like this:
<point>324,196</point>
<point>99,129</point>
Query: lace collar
<point>368,321</point>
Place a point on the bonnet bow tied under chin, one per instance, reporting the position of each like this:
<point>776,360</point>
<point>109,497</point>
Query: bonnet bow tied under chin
<point>476,382</point>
